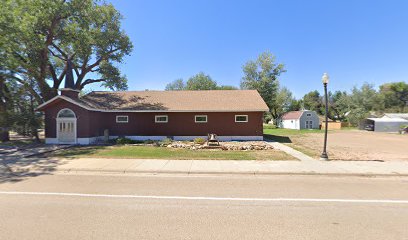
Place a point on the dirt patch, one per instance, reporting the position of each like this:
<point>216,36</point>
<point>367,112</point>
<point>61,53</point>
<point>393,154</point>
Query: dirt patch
<point>356,145</point>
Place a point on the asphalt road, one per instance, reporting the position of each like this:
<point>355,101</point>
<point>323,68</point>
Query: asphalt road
<point>203,207</point>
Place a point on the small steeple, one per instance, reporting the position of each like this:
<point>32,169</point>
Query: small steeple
<point>69,77</point>
<point>69,87</point>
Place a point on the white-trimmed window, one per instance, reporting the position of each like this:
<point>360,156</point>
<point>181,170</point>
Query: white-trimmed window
<point>200,118</point>
<point>122,119</point>
<point>308,114</point>
<point>161,119</point>
<point>241,118</point>
<point>66,113</point>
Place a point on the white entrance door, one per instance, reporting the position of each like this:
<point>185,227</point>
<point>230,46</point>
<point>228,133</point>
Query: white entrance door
<point>66,127</point>
<point>66,131</point>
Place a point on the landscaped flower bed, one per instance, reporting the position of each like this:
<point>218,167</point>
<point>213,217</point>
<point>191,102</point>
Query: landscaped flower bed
<point>197,145</point>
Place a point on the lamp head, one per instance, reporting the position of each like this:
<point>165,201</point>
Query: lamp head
<point>325,78</point>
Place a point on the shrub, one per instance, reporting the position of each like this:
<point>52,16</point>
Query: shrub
<point>200,141</point>
<point>267,118</point>
<point>165,142</point>
<point>269,126</point>
<point>404,129</point>
<point>123,140</point>
<point>356,115</point>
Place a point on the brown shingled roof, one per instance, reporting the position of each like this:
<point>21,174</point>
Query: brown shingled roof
<point>211,100</point>
<point>292,115</point>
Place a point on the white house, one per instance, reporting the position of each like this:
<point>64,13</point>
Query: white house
<point>299,120</point>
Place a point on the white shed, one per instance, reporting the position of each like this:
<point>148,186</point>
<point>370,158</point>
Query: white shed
<point>387,124</point>
<point>299,120</point>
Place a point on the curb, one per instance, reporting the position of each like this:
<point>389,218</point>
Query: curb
<point>249,173</point>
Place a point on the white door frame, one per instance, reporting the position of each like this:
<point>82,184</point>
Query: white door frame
<point>63,119</point>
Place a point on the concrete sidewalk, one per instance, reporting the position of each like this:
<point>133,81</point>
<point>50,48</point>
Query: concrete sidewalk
<point>109,165</point>
<point>305,165</point>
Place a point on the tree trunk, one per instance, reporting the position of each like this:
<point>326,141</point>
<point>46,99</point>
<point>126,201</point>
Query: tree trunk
<point>34,133</point>
<point>4,132</point>
<point>4,135</point>
<point>34,121</point>
<point>47,92</point>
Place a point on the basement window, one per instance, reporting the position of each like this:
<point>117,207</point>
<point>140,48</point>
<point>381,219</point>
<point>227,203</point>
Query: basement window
<point>161,119</point>
<point>200,118</point>
<point>241,118</point>
<point>122,119</point>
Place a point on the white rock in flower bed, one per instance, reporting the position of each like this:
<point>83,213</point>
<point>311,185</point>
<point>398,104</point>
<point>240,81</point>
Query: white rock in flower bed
<point>246,146</point>
<point>232,146</point>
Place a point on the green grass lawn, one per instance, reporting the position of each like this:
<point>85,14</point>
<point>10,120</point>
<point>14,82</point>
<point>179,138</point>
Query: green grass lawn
<point>152,152</point>
<point>291,137</point>
<point>290,132</point>
<point>286,135</point>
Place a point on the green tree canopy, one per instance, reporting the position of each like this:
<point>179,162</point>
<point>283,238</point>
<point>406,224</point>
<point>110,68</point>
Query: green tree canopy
<point>176,85</point>
<point>339,105</point>
<point>395,96</point>
<point>284,102</point>
<point>262,75</point>
<point>38,37</point>
<point>366,98</point>
<point>313,101</point>
<point>227,87</point>
<point>201,81</point>
<point>362,101</point>
<point>5,109</point>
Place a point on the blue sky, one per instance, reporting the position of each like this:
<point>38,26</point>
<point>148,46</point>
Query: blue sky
<point>354,41</point>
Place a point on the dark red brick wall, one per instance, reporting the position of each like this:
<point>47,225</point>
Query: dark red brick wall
<point>92,124</point>
<point>183,124</point>
<point>83,120</point>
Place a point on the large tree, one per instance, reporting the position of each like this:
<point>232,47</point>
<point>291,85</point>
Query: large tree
<point>17,109</point>
<point>367,98</point>
<point>262,75</point>
<point>26,121</point>
<point>176,85</point>
<point>362,102</point>
<point>339,105</point>
<point>226,87</point>
<point>5,105</point>
<point>313,101</point>
<point>284,102</point>
<point>201,81</point>
<point>395,96</point>
<point>39,37</point>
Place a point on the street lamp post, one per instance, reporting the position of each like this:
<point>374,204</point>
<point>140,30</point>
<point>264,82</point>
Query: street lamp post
<point>325,80</point>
